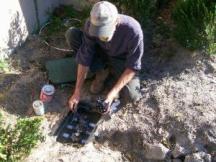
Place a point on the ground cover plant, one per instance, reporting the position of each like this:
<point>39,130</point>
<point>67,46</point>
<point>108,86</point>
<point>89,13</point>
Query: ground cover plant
<point>17,142</point>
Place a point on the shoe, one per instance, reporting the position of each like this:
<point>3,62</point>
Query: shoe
<point>98,83</point>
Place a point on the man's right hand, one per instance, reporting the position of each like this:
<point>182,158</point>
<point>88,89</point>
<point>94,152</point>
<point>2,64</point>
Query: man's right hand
<point>73,101</point>
<point>81,75</point>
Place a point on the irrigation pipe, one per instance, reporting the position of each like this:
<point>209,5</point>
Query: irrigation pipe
<point>44,41</point>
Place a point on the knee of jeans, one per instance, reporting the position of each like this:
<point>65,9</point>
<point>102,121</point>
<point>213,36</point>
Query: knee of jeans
<point>73,37</point>
<point>130,95</point>
<point>71,31</point>
<point>68,33</point>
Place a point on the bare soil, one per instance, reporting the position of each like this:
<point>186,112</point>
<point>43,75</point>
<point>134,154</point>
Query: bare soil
<point>177,106</point>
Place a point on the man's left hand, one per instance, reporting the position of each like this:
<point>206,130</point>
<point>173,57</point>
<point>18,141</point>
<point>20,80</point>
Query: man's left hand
<point>110,97</point>
<point>124,79</point>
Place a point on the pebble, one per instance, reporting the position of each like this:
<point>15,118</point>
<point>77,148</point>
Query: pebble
<point>198,157</point>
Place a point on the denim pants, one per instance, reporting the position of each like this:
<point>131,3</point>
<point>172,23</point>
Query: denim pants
<point>131,92</point>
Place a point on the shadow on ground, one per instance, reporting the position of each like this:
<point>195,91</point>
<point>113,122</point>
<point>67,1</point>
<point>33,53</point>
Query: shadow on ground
<point>129,143</point>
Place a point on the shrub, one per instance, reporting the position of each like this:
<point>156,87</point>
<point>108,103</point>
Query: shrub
<point>195,22</point>
<point>16,142</point>
<point>162,3</point>
<point>142,10</point>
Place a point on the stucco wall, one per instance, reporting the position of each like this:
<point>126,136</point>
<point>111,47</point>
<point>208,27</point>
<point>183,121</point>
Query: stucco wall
<point>13,28</point>
<point>19,18</point>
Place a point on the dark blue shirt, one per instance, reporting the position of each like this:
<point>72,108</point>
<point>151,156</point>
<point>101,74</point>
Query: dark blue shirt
<point>126,42</point>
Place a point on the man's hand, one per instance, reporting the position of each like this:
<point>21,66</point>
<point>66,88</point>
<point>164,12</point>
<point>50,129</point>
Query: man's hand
<point>73,101</point>
<point>81,75</point>
<point>126,76</point>
<point>110,97</point>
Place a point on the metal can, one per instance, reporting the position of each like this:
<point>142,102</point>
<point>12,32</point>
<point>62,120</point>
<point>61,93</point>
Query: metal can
<point>47,92</point>
<point>38,107</point>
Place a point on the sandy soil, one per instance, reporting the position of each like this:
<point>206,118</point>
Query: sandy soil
<point>177,107</point>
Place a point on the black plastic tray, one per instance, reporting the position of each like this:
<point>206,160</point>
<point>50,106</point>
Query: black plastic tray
<point>78,128</point>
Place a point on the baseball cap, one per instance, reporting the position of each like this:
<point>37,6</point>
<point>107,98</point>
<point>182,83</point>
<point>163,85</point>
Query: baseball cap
<point>102,19</point>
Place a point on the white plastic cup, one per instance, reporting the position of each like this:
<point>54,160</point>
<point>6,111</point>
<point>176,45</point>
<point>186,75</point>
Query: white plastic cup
<point>38,107</point>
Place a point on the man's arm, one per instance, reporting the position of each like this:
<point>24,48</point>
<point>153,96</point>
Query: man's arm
<point>81,75</point>
<point>133,64</point>
<point>124,79</point>
<point>83,58</point>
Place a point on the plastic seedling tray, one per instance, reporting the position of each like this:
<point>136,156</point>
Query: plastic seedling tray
<point>78,128</point>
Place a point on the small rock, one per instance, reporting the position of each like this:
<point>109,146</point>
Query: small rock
<point>176,160</point>
<point>179,151</point>
<point>155,151</point>
<point>210,67</point>
<point>198,157</point>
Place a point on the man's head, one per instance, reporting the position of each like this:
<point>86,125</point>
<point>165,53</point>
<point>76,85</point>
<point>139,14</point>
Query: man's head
<point>103,20</point>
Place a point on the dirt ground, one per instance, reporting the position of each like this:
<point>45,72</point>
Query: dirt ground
<point>177,106</point>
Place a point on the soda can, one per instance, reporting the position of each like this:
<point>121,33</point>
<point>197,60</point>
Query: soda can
<point>38,107</point>
<point>47,92</point>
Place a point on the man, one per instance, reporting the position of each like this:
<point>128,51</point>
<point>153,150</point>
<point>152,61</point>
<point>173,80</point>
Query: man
<point>109,41</point>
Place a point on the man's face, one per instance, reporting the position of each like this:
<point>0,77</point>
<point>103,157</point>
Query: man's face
<point>107,39</point>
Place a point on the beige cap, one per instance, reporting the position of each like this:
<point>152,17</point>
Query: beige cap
<point>102,19</point>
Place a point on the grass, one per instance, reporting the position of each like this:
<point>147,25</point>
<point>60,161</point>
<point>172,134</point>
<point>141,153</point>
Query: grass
<point>4,66</point>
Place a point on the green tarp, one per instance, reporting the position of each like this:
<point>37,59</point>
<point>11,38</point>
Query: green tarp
<point>62,70</point>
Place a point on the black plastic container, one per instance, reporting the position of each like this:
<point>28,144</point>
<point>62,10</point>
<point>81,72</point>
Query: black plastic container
<point>78,128</point>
